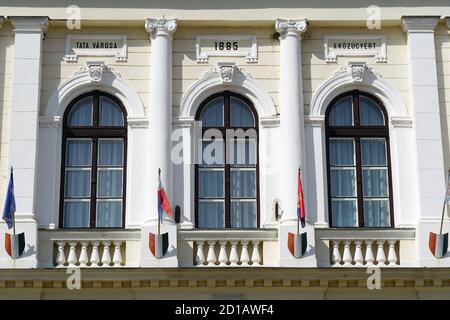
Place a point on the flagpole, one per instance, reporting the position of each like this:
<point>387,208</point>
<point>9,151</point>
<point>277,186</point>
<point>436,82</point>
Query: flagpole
<point>13,215</point>
<point>298,206</point>
<point>159,216</point>
<point>445,201</point>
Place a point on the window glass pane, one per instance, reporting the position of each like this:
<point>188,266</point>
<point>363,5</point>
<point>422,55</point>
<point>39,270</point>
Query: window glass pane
<point>81,113</point>
<point>240,114</point>
<point>76,214</point>
<point>110,152</point>
<point>375,182</point>
<point>243,183</point>
<point>78,183</point>
<point>243,214</point>
<point>212,113</point>
<point>376,213</point>
<point>109,183</point>
<point>343,182</point>
<point>243,152</point>
<point>110,113</point>
<point>341,113</point>
<point>78,152</point>
<point>344,213</point>
<point>373,152</point>
<point>211,214</point>
<point>211,183</point>
<point>213,152</point>
<point>342,152</point>
<point>109,214</point>
<point>369,112</point>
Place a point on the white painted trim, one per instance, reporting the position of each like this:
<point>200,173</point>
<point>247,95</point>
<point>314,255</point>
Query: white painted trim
<point>203,56</point>
<point>82,82</point>
<point>241,82</point>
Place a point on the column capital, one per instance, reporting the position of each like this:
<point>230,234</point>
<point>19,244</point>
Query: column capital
<point>157,27</point>
<point>419,24</point>
<point>29,24</point>
<point>285,27</point>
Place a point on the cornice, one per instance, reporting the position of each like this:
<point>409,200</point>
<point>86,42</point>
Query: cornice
<point>419,24</point>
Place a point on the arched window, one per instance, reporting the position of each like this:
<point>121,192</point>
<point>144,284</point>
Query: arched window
<point>93,163</point>
<point>358,160</point>
<point>227,182</point>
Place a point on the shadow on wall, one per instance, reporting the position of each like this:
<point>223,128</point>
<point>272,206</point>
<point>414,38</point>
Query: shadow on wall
<point>220,4</point>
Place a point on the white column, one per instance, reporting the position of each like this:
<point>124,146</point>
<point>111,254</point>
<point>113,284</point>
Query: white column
<point>292,149</point>
<point>291,112</point>
<point>160,130</point>
<point>23,142</point>
<point>160,119</point>
<point>427,128</point>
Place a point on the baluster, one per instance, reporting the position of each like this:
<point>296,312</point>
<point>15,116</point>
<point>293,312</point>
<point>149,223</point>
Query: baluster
<point>369,253</point>
<point>381,257</point>
<point>234,258</point>
<point>72,259</point>
<point>84,259</point>
<point>244,253</point>
<point>359,259</point>
<point>95,257</point>
<point>392,256</point>
<point>347,253</point>
<point>211,254</point>
<point>336,259</point>
<point>256,257</point>
<point>117,258</point>
<point>200,257</point>
<point>61,257</point>
<point>223,257</point>
<point>106,256</point>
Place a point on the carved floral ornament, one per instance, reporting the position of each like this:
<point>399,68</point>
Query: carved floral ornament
<point>285,27</point>
<point>160,26</point>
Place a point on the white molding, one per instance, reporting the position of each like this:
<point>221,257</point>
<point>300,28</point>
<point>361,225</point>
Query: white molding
<point>203,56</point>
<point>380,53</point>
<point>401,122</point>
<point>72,54</point>
<point>50,122</point>
<point>241,82</point>
<point>82,82</point>
<point>183,122</point>
<point>29,24</point>
<point>314,121</point>
<point>419,24</point>
<point>347,78</point>
<point>270,122</point>
<point>137,122</point>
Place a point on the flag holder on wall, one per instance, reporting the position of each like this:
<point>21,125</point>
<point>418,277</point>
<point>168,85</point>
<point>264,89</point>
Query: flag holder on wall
<point>297,243</point>
<point>14,243</point>
<point>159,243</point>
<point>438,243</point>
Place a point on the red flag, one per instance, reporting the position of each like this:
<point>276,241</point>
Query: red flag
<point>163,202</point>
<point>300,204</point>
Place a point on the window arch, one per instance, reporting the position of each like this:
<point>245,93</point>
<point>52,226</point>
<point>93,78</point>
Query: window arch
<point>358,162</point>
<point>93,170</point>
<point>227,174</point>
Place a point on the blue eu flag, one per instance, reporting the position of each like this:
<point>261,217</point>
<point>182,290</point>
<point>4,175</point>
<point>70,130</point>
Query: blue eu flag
<point>10,203</point>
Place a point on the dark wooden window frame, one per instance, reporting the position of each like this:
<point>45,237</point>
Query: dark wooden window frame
<point>227,167</point>
<point>357,132</point>
<point>93,132</point>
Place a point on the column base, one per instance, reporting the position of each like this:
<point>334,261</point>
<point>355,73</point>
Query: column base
<point>308,260</point>
<point>147,259</point>
<point>27,224</point>
<point>424,254</point>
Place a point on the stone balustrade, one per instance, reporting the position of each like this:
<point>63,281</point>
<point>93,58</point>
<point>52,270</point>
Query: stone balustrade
<point>362,247</point>
<point>93,254</point>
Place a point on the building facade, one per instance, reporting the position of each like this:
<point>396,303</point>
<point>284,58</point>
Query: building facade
<point>102,104</point>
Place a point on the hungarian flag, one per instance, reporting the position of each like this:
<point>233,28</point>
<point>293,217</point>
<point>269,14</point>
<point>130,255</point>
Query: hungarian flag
<point>10,203</point>
<point>163,202</point>
<point>300,204</point>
